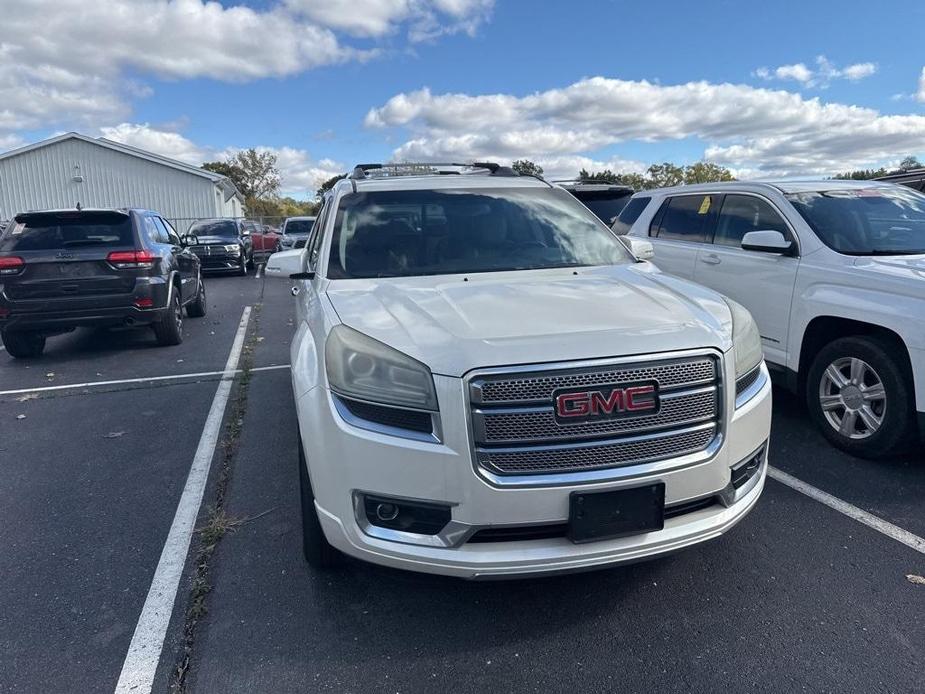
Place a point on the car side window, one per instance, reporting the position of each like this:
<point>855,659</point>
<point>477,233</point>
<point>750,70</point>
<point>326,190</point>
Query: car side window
<point>629,214</point>
<point>744,213</point>
<point>685,218</point>
<point>169,233</point>
<point>314,244</point>
<point>154,232</point>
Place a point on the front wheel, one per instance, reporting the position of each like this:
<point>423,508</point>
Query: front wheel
<point>23,345</point>
<point>197,307</point>
<point>860,397</point>
<point>169,330</point>
<point>319,554</point>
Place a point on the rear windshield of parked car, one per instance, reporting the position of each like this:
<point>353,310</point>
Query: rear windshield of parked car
<point>299,226</point>
<point>218,227</point>
<point>59,231</point>
<point>866,221</point>
<point>408,233</point>
<point>606,205</point>
<point>629,214</point>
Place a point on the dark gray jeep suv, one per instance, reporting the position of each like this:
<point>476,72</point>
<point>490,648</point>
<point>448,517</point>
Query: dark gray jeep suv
<point>64,269</point>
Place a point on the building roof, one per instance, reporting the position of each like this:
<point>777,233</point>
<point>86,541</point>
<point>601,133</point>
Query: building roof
<point>226,183</point>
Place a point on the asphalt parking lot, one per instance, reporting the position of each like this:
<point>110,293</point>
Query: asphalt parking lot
<point>97,439</point>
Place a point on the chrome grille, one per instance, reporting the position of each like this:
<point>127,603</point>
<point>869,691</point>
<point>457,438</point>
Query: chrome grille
<point>516,433</point>
<point>533,387</point>
<point>575,459</point>
<point>540,424</point>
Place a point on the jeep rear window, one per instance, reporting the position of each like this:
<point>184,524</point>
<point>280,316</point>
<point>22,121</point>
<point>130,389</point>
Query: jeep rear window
<point>56,231</point>
<point>429,232</point>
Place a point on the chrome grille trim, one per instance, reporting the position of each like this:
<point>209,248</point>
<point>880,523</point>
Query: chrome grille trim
<point>537,423</point>
<point>518,442</point>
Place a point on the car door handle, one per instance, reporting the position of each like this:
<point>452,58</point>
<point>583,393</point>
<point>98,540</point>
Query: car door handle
<point>711,259</point>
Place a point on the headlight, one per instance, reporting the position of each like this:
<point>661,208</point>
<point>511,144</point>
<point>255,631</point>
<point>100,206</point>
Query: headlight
<point>286,241</point>
<point>746,340</point>
<point>232,248</point>
<point>360,367</point>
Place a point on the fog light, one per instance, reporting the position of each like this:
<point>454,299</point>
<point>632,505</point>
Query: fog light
<point>145,302</point>
<point>744,470</point>
<point>420,517</point>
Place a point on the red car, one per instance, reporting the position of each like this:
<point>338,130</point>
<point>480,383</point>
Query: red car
<point>266,240</point>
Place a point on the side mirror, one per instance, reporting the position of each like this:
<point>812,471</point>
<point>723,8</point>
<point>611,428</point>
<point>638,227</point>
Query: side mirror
<point>245,232</point>
<point>189,240</point>
<point>642,249</point>
<point>768,241</point>
<point>286,265</point>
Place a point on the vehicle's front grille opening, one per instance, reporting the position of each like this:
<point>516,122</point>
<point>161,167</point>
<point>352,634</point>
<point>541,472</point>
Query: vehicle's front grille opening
<point>524,533</point>
<point>390,416</point>
<point>517,430</point>
<point>744,470</point>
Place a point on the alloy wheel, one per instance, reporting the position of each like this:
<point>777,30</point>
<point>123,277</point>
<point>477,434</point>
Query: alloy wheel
<point>853,398</point>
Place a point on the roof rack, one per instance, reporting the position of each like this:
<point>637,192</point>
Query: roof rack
<point>589,182</point>
<point>428,168</point>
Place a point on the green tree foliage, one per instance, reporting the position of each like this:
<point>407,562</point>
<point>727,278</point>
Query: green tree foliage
<point>525,167</point>
<point>232,171</point>
<point>327,185</point>
<point>662,175</point>
<point>910,163</point>
<point>261,177</point>
<point>907,164</point>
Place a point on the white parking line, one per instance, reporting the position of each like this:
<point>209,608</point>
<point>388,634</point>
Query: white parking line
<point>95,384</point>
<point>881,526</point>
<point>144,652</point>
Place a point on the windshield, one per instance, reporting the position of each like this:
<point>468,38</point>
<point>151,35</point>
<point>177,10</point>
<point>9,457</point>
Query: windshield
<point>215,227</point>
<point>406,233</point>
<point>299,226</point>
<point>606,205</point>
<point>41,232</point>
<point>868,221</point>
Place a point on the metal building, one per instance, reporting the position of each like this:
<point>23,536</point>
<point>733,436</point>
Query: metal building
<point>73,168</point>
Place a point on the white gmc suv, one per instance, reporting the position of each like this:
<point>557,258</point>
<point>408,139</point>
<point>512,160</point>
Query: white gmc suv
<point>834,274</point>
<point>488,383</point>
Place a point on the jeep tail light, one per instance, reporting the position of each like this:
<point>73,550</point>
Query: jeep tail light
<point>125,260</point>
<point>11,265</point>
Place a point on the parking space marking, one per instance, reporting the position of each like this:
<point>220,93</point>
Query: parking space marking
<point>881,526</point>
<point>144,652</point>
<point>225,374</point>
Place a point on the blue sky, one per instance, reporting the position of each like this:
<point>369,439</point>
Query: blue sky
<point>777,89</point>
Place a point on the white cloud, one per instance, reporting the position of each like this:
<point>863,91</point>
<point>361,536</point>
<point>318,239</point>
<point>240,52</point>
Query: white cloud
<point>64,63</point>
<point>920,94</point>
<point>824,73</point>
<point>772,131</point>
<point>300,173</point>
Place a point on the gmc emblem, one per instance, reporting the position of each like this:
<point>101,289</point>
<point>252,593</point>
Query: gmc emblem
<point>576,405</point>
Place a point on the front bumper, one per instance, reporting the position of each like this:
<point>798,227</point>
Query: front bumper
<point>345,461</point>
<point>215,259</point>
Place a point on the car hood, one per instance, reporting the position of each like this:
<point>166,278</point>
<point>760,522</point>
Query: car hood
<point>216,240</point>
<point>457,323</point>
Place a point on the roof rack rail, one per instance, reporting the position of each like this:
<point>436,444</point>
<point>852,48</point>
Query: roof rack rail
<point>361,171</point>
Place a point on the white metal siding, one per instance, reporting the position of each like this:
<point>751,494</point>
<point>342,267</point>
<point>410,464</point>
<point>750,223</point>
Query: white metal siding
<point>43,179</point>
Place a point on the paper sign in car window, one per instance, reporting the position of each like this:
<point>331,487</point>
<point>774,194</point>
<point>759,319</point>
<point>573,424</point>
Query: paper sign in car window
<point>705,205</point>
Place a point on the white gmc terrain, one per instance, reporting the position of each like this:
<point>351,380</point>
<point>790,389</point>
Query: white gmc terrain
<point>834,274</point>
<point>490,383</point>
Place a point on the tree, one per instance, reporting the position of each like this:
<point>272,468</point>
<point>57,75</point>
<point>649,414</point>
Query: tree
<point>705,172</point>
<point>665,175</point>
<point>260,175</point>
<point>909,163</point>
<point>232,171</point>
<point>327,185</point>
<point>525,167</point>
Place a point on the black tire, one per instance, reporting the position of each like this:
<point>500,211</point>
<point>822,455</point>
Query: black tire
<point>23,345</point>
<point>319,554</point>
<point>169,330</point>
<point>250,261</point>
<point>894,413</point>
<point>242,268</point>
<point>197,307</point>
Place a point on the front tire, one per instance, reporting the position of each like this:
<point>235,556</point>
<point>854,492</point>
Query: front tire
<point>319,554</point>
<point>197,307</point>
<point>169,330</point>
<point>860,397</point>
<point>23,345</point>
